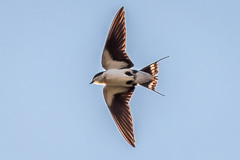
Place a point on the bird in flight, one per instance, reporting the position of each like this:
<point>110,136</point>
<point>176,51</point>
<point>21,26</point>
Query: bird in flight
<point>119,79</point>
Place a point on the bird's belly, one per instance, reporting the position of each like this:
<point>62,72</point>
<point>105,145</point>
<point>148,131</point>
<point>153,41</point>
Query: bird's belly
<point>143,77</point>
<point>118,77</point>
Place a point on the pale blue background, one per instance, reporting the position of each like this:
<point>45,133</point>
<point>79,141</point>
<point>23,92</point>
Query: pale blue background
<point>49,51</point>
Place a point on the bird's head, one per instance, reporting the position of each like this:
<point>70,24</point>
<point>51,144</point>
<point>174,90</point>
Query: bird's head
<point>98,78</point>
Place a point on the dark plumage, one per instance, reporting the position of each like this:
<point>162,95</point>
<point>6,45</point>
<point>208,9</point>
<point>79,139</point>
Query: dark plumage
<point>98,74</point>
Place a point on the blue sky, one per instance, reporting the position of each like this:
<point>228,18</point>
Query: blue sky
<point>49,51</point>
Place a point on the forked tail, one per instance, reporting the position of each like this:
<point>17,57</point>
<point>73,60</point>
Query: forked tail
<point>153,70</point>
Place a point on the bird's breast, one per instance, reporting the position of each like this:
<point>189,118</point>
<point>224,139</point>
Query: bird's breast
<point>119,77</point>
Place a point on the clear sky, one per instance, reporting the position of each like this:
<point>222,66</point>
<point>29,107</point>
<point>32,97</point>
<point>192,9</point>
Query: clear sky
<point>50,49</point>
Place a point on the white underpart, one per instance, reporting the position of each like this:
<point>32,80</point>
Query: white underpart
<point>117,77</point>
<point>110,91</point>
<point>143,77</point>
<point>109,63</point>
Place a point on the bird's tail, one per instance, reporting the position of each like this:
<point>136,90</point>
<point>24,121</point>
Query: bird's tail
<point>153,70</point>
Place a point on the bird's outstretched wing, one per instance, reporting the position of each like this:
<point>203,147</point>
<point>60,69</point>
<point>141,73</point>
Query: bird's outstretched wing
<point>117,99</point>
<point>114,55</point>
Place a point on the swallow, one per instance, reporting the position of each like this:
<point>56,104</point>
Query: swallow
<point>119,79</point>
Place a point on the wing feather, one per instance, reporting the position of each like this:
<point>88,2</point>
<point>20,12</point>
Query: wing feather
<point>114,55</point>
<point>117,99</point>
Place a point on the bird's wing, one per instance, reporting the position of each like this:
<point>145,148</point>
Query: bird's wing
<point>114,55</point>
<point>117,99</point>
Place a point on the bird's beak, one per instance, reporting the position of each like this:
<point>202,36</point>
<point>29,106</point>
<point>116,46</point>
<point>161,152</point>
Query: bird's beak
<point>91,82</point>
